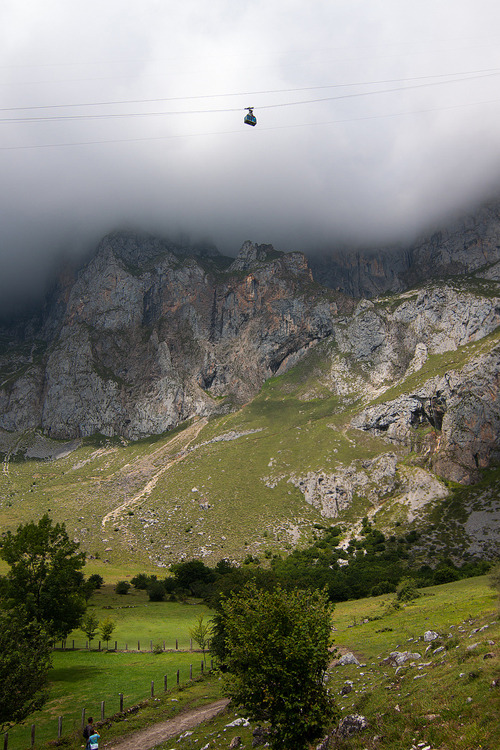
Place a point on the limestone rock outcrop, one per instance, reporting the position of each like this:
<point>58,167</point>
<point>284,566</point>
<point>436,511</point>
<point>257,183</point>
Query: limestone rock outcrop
<point>470,242</point>
<point>148,335</point>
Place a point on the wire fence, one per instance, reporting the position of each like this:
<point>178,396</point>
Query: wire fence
<point>27,737</point>
<point>136,645</point>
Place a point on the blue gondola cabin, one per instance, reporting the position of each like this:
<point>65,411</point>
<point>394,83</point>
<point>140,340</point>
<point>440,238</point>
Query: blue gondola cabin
<point>250,118</point>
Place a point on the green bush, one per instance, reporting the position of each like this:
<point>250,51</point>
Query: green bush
<point>156,591</point>
<point>407,590</point>
<point>122,587</point>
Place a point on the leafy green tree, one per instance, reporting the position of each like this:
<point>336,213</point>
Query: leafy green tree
<point>192,574</point>
<point>106,628</point>
<point>200,633</point>
<point>407,590</point>
<point>24,665</point>
<point>96,580</point>
<point>156,591</point>
<point>122,587</point>
<point>142,580</point>
<point>45,575</point>
<point>92,583</point>
<point>89,625</point>
<point>276,656</point>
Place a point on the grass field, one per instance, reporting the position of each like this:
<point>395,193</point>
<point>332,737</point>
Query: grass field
<point>83,678</point>
<point>138,619</point>
<point>444,699</point>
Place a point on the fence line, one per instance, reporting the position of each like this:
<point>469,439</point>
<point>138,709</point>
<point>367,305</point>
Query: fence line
<point>103,711</point>
<point>72,645</point>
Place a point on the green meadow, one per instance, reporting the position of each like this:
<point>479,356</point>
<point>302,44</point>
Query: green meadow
<point>443,698</point>
<point>138,619</point>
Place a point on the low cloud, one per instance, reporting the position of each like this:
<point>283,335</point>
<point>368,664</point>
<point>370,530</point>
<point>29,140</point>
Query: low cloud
<point>359,162</point>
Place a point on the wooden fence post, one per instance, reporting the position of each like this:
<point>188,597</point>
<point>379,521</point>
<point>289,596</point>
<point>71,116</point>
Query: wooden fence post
<point>126,647</point>
<point>121,702</point>
<point>83,719</point>
<point>99,645</point>
<point>138,645</point>
<point>165,683</point>
<point>176,644</point>
<point>102,710</point>
<point>116,645</point>
<point>59,727</point>
<point>190,671</point>
<point>150,645</point>
<point>202,667</point>
<point>178,677</point>
<point>32,735</point>
<point>164,645</point>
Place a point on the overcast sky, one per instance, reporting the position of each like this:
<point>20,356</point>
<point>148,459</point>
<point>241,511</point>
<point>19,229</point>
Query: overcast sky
<point>376,119</point>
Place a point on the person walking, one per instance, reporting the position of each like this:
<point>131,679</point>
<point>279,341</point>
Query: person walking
<point>89,729</point>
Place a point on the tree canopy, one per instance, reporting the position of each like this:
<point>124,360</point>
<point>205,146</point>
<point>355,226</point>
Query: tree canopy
<point>45,575</point>
<point>24,665</point>
<point>276,652</point>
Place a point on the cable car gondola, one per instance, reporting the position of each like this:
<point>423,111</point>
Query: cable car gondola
<point>250,118</point>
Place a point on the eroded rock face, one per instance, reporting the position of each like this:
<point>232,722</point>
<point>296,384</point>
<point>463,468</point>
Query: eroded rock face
<point>470,242</point>
<point>149,337</point>
<point>149,334</point>
<point>375,480</point>
<point>463,407</point>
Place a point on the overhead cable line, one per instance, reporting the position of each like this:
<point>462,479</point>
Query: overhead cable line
<point>466,73</point>
<point>59,118</point>
<point>240,130</point>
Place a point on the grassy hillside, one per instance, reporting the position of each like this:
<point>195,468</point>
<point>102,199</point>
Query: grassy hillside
<point>228,487</point>
<point>442,696</point>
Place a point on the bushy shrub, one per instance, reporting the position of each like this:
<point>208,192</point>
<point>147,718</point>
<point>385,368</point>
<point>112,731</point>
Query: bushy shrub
<point>141,581</point>
<point>407,590</point>
<point>122,587</point>
<point>156,591</point>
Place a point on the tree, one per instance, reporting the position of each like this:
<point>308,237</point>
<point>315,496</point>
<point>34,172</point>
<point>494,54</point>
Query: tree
<point>200,633</point>
<point>495,577</point>
<point>45,575</point>
<point>122,587</point>
<point>276,656</point>
<point>142,580</point>
<point>106,628</point>
<point>89,625</point>
<point>407,590</point>
<point>24,664</point>
<point>156,591</point>
<point>92,583</point>
<point>192,575</point>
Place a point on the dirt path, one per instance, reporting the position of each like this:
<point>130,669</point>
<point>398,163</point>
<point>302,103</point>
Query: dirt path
<point>148,738</point>
<point>179,443</point>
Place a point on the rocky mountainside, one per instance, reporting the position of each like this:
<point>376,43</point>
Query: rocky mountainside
<point>146,337</point>
<point>320,405</point>
<point>470,242</point>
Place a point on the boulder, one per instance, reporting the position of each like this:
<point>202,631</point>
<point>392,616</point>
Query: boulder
<point>348,658</point>
<point>351,724</point>
<point>430,635</point>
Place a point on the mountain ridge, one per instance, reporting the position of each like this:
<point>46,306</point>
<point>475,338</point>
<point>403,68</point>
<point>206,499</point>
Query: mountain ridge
<point>317,405</point>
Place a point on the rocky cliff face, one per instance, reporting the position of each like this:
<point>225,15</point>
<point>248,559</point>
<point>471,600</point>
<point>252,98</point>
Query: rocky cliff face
<point>468,243</point>
<point>147,336</point>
